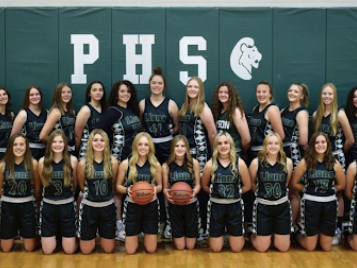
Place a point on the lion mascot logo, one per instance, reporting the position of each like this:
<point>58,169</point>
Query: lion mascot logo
<point>244,56</point>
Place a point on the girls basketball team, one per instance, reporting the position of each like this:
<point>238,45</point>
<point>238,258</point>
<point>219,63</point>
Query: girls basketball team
<point>259,177</point>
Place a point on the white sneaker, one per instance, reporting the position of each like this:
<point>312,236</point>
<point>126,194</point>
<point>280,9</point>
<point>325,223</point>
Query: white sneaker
<point>337,237</point>
<point>167,232</point>
<point>202,237</point>
<point>120,232</point>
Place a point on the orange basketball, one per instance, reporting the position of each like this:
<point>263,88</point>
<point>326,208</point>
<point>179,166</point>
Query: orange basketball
<point>181,193</point>
<point>142,192</point>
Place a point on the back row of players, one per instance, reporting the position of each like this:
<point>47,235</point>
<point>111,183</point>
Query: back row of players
<point>161,118</point>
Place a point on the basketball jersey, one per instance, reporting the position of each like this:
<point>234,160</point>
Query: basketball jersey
<point>226,185</point>
<point>33,125</point>
<point>143,174</point>
<point>5,130</point>
<point>354,131</point>
<point>97,188</point>
<point>223,124</point>
<point>320,182</point>
<point>336,141</point>
<point>20,185</point>
<point>193,128</point>
<point>66,124</point>
<point>179,174</point>
<point>56,190</point>
<point>88,128</point>
<point>271,182</point>
<point>291,131</point>
<point>124,131</point>
<point>157,120</point>
<point>259,127</point>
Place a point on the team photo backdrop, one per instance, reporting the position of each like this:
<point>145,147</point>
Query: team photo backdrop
<point>242,45</point>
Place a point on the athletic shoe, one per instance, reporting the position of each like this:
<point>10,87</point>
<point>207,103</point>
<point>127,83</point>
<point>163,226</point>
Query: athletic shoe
<point>337,237</point>
<point>120,232</point>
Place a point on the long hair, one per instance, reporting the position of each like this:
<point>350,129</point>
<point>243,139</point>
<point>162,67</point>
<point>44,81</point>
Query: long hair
<point>57,99</point>
<point>263,154</point>
<point>215,155</point>
<point>48,160</point>
<point>107,161</point>
<point>188,161</point>
<point>26,102</point>
<point>311,155</point>
<point>103,102</point>
<point>133,103</point>
<point>9,158</point>
<point>8,111</point>
<point>198,106</point>
<point>270,88</point>
<point>350,109</point>
<point>234,102</point>
<point>334,111</point>
<point>305,92</point>
<point>157,71</point>
<point>133,173</point>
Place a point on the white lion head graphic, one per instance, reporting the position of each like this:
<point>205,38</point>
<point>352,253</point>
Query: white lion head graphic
<point>244,56</point>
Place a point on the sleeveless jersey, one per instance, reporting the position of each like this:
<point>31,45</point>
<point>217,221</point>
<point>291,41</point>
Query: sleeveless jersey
<point>56,190</point>
<point>5,130</point>
<point>223,124</point>
<point>97,188</point>
<point>354,131</point>
<point>291,131</point>
<point>34,125</point>
<point>66,124</point>
<point>91,123</point>
<point>20,185</point>
<point>336,141</point>
<point>143,174</point>
<point>320,182</point>
<point>271,182</point>
<point>179,174</point>
<point>157,120</point>
<point>226,185</point>
<point>124,132</point>
<point>259,127</point>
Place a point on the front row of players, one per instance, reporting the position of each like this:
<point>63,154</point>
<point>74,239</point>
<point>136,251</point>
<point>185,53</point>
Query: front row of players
<point>319,176</point>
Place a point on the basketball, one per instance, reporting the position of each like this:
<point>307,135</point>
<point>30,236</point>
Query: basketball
<point>142,192</point>
<point>181,193</point>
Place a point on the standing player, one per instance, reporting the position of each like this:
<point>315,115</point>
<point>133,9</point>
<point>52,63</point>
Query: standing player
<point>122,122</point>
<point>6,118</point>
<point>331,120</point>
<point>225,177</point>
<point>31,119</point>
<point>228,113</point>
<point>270,173</point>
<point>89,115</point>
<point>61,116</point>
<point>295,120</point>
<point>196,121</point>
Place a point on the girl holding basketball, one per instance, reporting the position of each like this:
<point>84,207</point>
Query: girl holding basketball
<point>225,177</point>
<point>181,167</point>
<point>270,173</point>
<point>97,173</point>
<point>58,174</point>
<point>141,166</point>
